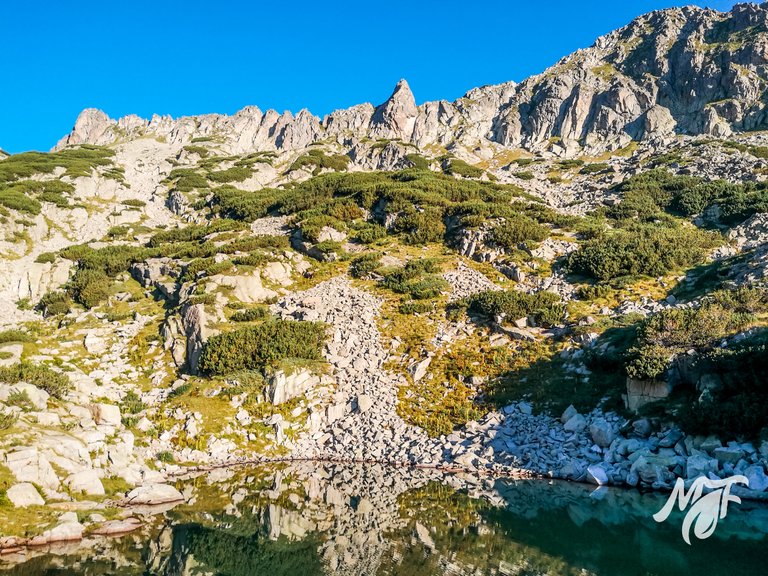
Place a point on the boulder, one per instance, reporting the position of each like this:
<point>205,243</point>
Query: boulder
<point>576,423</point>
<point>107,414</point>
<point>282,387</point>
<point>699,465</point>
<point>642,392</point>
<point>364,403</point>
<point>152,494</point>
<point>602,433</point>
<point>114,527</point>
<point>419,369</point>
<point>596,475</point>
<point>37,396</point>
<point>710,443</point>
<point>728,455</point>
<point>568,413</point>
<point>29,465</point>
<point>94,343</point>
<point>86,482</point>
<point>653,469</point>
<point>758,480</point>
<point>24,494</point>
<point>642,428</point>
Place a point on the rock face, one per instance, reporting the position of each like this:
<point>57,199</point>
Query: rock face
<point>395,118</point>
<point>283,387</point>
<point>24,494</point>
<point>683,70</point>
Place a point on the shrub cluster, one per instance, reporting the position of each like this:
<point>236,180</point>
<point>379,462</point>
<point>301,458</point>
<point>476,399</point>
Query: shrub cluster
<point>320,160</point>
<point>419,202</point>
<point>675,330</point>
<point>418,279</point>
<point>649,195</point>
<point>641,250</point>
<point>251,314</point>
<point>54,303</point>
<point>517,230</point>
<point>256,347</point>
<point>544,307</point>
<point>55,383</point>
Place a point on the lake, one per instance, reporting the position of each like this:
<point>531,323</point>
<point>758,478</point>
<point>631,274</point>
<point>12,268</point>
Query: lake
<point>310,519</point>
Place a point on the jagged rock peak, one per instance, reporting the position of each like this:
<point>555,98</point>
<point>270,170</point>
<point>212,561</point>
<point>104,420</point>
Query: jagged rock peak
<point>396,118</point>
<point>677,71</point>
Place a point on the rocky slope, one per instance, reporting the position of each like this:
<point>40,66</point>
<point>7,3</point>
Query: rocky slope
<point>502,299</point>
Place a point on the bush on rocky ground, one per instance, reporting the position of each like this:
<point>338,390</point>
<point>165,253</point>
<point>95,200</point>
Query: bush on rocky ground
<point>54,303</point>
<point>544,307</point>
<point>518,230</point>
<point>418,279</point>
<point>55,383</point>
<point>256,347</point>
<point>647,250</point>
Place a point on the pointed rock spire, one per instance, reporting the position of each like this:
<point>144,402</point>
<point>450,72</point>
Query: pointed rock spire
<point>92,126</point>
<point>397,116</point>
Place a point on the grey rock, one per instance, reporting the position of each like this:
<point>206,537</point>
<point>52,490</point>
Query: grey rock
<point>24,494</point>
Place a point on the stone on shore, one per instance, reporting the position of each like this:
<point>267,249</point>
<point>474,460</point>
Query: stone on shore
<point>152,494</point>
<point>24,494</point>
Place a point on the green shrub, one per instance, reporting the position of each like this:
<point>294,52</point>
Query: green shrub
<point>54,303</point>
<point>20,399</point>
<point>166,456</point>
<point>413,307</point>
<point>417,161</point>
<point>14,335</point>
<point>739,406</point>
<point>46,258</point>
<point>7,420</point>
<point>234,174</point>
<point>328,246</point>
<point>569,163</point>
<point>594,291</point>
<point>55,383</point>
<point>201,151</point>
<point>131,403</point>
<point>641,250</point>
<point>320,160</point>
<point>457,167</point>
<point>364,265</point>
<point>134,203</point>
<point>256,347</point>
<point>118,231</point>
<point>525,175</point>
<point>517,230</point>
<point>89,287</point>
<point>251,314</point>
<point>193,233</point>
<point>205,299</point>
<point>369,233</point>
<point>421,227</point>
<point>595,168</point>
<point>648,362</point>
<point>544,307</point>
<point>417,278</point>
<point>17,201</point>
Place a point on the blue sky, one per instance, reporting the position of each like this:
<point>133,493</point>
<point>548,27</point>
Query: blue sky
<point>194,57</point>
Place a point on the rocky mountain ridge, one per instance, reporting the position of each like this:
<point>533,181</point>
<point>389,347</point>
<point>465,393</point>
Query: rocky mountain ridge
<point>677,71</point>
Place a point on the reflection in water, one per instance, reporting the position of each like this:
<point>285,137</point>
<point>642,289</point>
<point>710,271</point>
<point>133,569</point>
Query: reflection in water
<point>322,519</point>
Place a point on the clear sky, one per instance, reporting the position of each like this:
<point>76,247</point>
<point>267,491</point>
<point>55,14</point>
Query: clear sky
<point>193,57</point>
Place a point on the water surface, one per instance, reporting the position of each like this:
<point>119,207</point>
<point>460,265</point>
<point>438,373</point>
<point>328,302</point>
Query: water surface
<point>320,519</point>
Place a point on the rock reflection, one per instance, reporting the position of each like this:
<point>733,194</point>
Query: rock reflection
<point>312,518</point>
